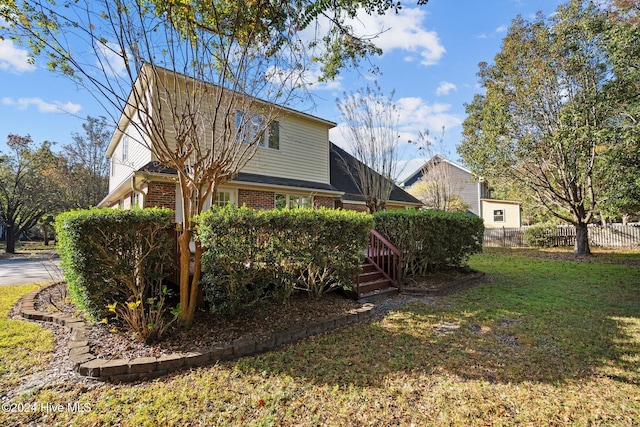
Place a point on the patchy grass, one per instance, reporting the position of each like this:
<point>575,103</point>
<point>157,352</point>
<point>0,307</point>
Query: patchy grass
<point>547,342</point>
<point>24,346</point>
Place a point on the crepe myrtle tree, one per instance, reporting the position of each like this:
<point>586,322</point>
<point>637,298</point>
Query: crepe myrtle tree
<point>371,133</point>
<point>195,82</point>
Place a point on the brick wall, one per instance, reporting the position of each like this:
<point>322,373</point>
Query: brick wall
<point>256,199</point>
<point>325,202</point>
<point>161,194</point>
<point>354,207</point>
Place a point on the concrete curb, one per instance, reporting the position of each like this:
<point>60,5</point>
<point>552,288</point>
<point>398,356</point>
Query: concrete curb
<point>146,368</point>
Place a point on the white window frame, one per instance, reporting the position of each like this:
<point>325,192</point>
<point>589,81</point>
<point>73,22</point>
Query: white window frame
<point>248,133</point>
<point>499,217</point>
<point>125,148</point>
<point>231,193</point>
<point>292,198</point>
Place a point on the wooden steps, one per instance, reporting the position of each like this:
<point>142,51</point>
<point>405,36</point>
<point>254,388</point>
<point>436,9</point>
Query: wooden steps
<point>371,284</point>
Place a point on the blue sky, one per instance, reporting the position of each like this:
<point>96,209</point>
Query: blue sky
<point>431,60</point>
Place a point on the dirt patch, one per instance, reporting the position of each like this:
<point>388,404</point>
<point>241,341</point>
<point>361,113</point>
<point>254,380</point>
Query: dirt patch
<point>443,282</point>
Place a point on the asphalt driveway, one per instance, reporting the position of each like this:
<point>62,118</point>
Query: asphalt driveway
<point>23,270</point>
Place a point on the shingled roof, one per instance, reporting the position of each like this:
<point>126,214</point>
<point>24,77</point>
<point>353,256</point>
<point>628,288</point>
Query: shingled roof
<point>340,162</point>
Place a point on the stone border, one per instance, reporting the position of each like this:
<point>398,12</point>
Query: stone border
<point>145,368</point>
<point>451,287</point>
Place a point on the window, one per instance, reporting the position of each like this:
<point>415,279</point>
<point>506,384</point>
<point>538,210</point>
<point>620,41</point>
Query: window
<point>292,201</point>
<point>223,198</point>
<point>498,215</point>
<point>125,148</point>
<point>248,131</point>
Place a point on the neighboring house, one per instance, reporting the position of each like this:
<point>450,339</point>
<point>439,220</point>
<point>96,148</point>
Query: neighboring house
<point>296,167</point>
<point>473,191</point>
<point>501,213</point>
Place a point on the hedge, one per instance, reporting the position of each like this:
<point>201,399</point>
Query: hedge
<point>114,255</point>
<point>540,235</point>
<point>430,239</point>
<point>251,255</point>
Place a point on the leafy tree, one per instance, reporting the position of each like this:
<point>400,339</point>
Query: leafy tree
<point>550,117</point>
<point>88,169</point>
<point>196,81</point>
<point>372,134</point>
<point>29,186</point>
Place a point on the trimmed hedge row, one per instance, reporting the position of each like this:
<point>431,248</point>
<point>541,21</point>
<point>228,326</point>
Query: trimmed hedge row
<point>251,255</point>
<point>430,239</point>
<point>114,255</point>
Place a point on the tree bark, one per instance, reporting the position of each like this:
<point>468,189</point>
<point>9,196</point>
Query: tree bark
<point>582,239</point>
<point>10,239</point>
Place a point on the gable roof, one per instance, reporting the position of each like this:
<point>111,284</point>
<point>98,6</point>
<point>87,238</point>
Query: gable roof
<point>340,161</point>
<point>415,176</point>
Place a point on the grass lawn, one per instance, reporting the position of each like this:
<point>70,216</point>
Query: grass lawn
<point>547,342</point>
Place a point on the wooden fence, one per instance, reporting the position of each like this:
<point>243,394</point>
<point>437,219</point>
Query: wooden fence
<point>613,236</point>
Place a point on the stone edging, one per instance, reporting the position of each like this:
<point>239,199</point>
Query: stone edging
<point>457,285</point>
<point>144,368</point>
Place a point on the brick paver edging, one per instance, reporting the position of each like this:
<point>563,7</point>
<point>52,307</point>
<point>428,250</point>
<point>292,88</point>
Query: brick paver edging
<point>143,368</point>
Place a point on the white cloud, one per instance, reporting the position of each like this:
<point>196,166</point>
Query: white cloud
<point>402,31</point>
<point>502,29</point>
<point>444,88</point>
<point>13,59</point>
<point>416,115</point>
<point>110,59</point>
<point>42,106</point>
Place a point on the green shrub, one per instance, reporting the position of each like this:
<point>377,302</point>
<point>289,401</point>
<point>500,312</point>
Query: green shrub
<point>431,240</point>
<point>251,255</point>
<point>540,235</point>
<point>112,256</point>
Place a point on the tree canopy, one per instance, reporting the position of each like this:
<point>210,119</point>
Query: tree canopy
<point>557,108</point>
<point>29,186</point>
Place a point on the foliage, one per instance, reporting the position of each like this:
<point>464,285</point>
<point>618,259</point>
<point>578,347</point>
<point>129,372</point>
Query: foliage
<point>192,79</point>
<point>251,255</point>
<point>29,186</point>
<point>554,112</point>
<point>437,191</point>
<point>545,342</point>
<point>115,255</point>
<point>431,240</point>
<point>146,320</point>
<point>87,177</point>
<point>372,133</point>
<point>540,235</point>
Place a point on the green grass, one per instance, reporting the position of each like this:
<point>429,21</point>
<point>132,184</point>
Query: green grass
<point>24,347</point>
<point>546,342</point>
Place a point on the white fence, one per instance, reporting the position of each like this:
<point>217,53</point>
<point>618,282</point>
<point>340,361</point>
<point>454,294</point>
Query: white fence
<point>613,236</point>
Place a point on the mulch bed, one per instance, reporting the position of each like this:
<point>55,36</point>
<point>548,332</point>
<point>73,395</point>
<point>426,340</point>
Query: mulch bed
<point>113,341</point>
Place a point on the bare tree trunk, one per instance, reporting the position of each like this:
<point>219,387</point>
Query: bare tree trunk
<point>582,239</point>
<point>10,239</point>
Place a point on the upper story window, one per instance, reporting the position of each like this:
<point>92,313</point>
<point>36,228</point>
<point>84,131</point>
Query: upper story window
<point>125,148</point>
<point>498,215</point>
<point>253,129</point>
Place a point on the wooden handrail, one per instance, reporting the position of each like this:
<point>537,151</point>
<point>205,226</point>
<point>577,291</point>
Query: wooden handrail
<point>386,258</point>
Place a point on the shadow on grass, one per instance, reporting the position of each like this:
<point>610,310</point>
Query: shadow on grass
<point>561,322</point>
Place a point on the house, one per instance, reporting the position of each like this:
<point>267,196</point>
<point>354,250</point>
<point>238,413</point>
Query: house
<point>474,192</point>
<point>297,166</point>
<point>501,213</point>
